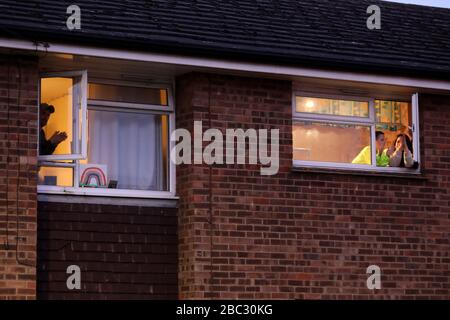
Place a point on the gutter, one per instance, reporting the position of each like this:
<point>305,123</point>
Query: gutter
<point>228,65</point>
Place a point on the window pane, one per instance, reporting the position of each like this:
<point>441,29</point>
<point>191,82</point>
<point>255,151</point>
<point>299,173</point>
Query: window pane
<point>394,118</point>
<point>346,108</point>
<point>393,115</point>
<point>331,142</point>
<point>56,176</point>
<point>59,103</point>
<point>129,148</point>
<point>117,93</point>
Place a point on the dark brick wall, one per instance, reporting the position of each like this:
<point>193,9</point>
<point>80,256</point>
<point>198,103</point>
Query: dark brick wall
<point>124,252</point>
<point>18,177</point>
<point>240,235</point>
<point>307,235</point>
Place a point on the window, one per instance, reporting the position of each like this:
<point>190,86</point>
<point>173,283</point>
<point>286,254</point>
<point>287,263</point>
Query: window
<point>355,133</point>
<point>130,146</point>
<point>104,138</point>
<point>62,116</point>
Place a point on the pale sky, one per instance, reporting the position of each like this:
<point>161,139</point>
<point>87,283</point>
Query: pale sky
<point>432,3</point>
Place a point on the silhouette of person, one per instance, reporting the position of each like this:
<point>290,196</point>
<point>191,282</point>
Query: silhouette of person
<point>47,147</point>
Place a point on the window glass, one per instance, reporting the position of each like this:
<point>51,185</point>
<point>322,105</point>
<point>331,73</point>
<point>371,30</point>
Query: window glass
<point>328,142</point>
<point>56,176</point>
<point>122,148</point>
<point>126,149</point>
<point>62,111</point>
<point>56,117</point>
<point>394,120</point>
<point>108,92</point>
<point>352,139</point>
<point>334,107</point>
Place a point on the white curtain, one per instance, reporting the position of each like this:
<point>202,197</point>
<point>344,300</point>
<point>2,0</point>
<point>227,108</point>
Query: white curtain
<point>129,144</point>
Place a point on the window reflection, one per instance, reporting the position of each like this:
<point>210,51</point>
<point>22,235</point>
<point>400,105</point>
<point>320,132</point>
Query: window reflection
<point>348,108</point>
<point>325,142</point>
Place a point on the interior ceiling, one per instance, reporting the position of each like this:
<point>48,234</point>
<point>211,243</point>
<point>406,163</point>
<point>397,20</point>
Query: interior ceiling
<point>55,88</point>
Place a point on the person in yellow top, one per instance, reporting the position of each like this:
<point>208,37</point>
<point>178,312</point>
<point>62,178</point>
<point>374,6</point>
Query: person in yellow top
<point>365,157</point>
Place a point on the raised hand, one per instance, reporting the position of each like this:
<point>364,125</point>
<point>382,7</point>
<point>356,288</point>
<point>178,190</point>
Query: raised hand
<point>391,150</point>
<point>58,137</point>
<point>402,143</point>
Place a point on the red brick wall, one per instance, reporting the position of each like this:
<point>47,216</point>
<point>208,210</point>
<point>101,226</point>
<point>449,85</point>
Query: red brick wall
<point>307,235</point>
<point>124,252</point>
<point>18,177</point>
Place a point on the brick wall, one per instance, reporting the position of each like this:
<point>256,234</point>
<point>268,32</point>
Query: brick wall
<point>18,177</point>
<point>124,252</point>
<point>307,235</point>
<point>240,235</point>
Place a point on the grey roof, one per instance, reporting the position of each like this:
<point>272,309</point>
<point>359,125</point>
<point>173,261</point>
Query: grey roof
<point>413,39</point>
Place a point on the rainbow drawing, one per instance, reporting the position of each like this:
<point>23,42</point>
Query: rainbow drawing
<point>93,176</point>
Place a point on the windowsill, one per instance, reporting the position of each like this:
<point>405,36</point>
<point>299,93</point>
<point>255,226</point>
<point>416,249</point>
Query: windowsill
<point>103,200</point>
<point>106,196</point>
<point>404,173</point>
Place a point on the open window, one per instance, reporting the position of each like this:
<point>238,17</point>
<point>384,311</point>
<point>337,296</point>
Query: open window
<point>115,137</point>
<point>62,116</point>
<point>355,133</point>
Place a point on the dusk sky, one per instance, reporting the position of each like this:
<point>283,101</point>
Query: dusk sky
<point>433,3</point>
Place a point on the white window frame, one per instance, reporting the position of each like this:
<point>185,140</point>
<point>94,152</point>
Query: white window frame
<point>168,110</point>
<point>359,121</point>
<point>82,95</point>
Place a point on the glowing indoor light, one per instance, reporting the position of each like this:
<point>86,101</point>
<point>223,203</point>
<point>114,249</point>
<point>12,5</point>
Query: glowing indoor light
<point>312,133</point>
<point>310,104</point>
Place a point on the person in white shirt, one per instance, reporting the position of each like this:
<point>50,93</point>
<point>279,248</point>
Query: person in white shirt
<point>401,152</point>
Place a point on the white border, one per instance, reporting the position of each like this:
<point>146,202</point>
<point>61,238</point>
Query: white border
<point>353,168</point>
<point>416,127</point>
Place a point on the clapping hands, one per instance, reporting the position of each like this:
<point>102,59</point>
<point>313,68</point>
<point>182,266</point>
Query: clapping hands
<point>58,137</point>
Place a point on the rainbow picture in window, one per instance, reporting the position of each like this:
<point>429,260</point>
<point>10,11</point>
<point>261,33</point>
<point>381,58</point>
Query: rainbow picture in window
<point>93,175</point>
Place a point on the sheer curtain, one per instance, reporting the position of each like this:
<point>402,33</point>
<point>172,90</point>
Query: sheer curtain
<point>129,143</point>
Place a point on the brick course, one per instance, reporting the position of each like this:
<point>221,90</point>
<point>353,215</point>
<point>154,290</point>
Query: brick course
<point>18,177</point>
<point>300,235</point>
<point>124,252</point>
<point>296,235</point>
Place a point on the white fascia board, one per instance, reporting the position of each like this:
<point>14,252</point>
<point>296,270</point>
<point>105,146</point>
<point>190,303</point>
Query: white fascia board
<point>227,65</point>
